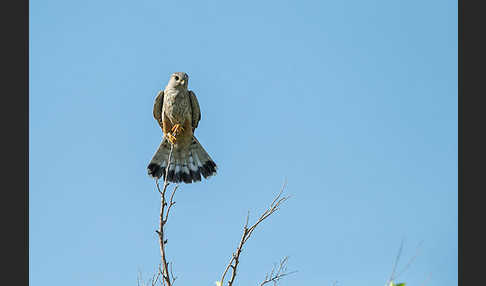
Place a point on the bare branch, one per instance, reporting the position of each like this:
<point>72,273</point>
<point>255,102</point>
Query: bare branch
<point>394,276</point>
<point>152,281</point>
<point>167,280</point>
<point>411,260</point>
<point>156,277</point>
<point>247,232</point>
<point>171,203</point>
<point>277,273</point>
<point>397,258</point>
<point>174,278</point>
<point>165,275</point>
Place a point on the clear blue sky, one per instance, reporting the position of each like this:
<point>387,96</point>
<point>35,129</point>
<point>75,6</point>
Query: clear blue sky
<point>353,102</point>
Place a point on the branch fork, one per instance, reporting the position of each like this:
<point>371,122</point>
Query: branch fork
<point>247,232</point>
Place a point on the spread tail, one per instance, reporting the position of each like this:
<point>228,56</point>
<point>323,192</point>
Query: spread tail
<point>187,164</point>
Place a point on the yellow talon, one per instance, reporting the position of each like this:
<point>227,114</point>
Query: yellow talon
<point>177,129</point>
<point>171,138</point>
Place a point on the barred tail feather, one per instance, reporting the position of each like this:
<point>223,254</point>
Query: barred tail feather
<point>158,164</point>
<point>187,165</point>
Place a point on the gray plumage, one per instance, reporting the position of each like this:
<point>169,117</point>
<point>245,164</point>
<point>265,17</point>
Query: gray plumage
<point>177,111</point>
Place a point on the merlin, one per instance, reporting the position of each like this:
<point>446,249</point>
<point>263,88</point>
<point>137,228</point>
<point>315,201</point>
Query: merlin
<point>176,110</point>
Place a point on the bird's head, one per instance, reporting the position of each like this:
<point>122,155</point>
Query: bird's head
<point>178,80</point>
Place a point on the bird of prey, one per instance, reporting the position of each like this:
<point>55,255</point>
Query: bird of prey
<point>176,109</point>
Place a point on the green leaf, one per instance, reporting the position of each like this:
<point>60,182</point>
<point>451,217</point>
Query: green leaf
<point>399,284</point>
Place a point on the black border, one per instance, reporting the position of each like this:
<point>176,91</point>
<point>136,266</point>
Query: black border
<point>14,23</point>
<point>471,143</point>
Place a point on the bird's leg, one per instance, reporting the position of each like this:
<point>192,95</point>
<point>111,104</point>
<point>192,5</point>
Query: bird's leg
<point>171,138</point>
<point>177,129</point>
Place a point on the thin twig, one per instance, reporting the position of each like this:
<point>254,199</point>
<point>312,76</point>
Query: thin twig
<point>174,278</point>
<point>394,276</point>
<point>171,203</point>
<point>247,232</point>
<point>152,281</point>
<point>397,258</point>
<point>410,261</point>
<point>277,273</point>
<point>157,276</point>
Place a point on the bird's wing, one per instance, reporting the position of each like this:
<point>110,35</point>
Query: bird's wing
<point>196,112</point>
<point>159,101</point>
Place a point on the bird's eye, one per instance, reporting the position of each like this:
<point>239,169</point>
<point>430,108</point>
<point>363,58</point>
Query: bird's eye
<point>176,78</point>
